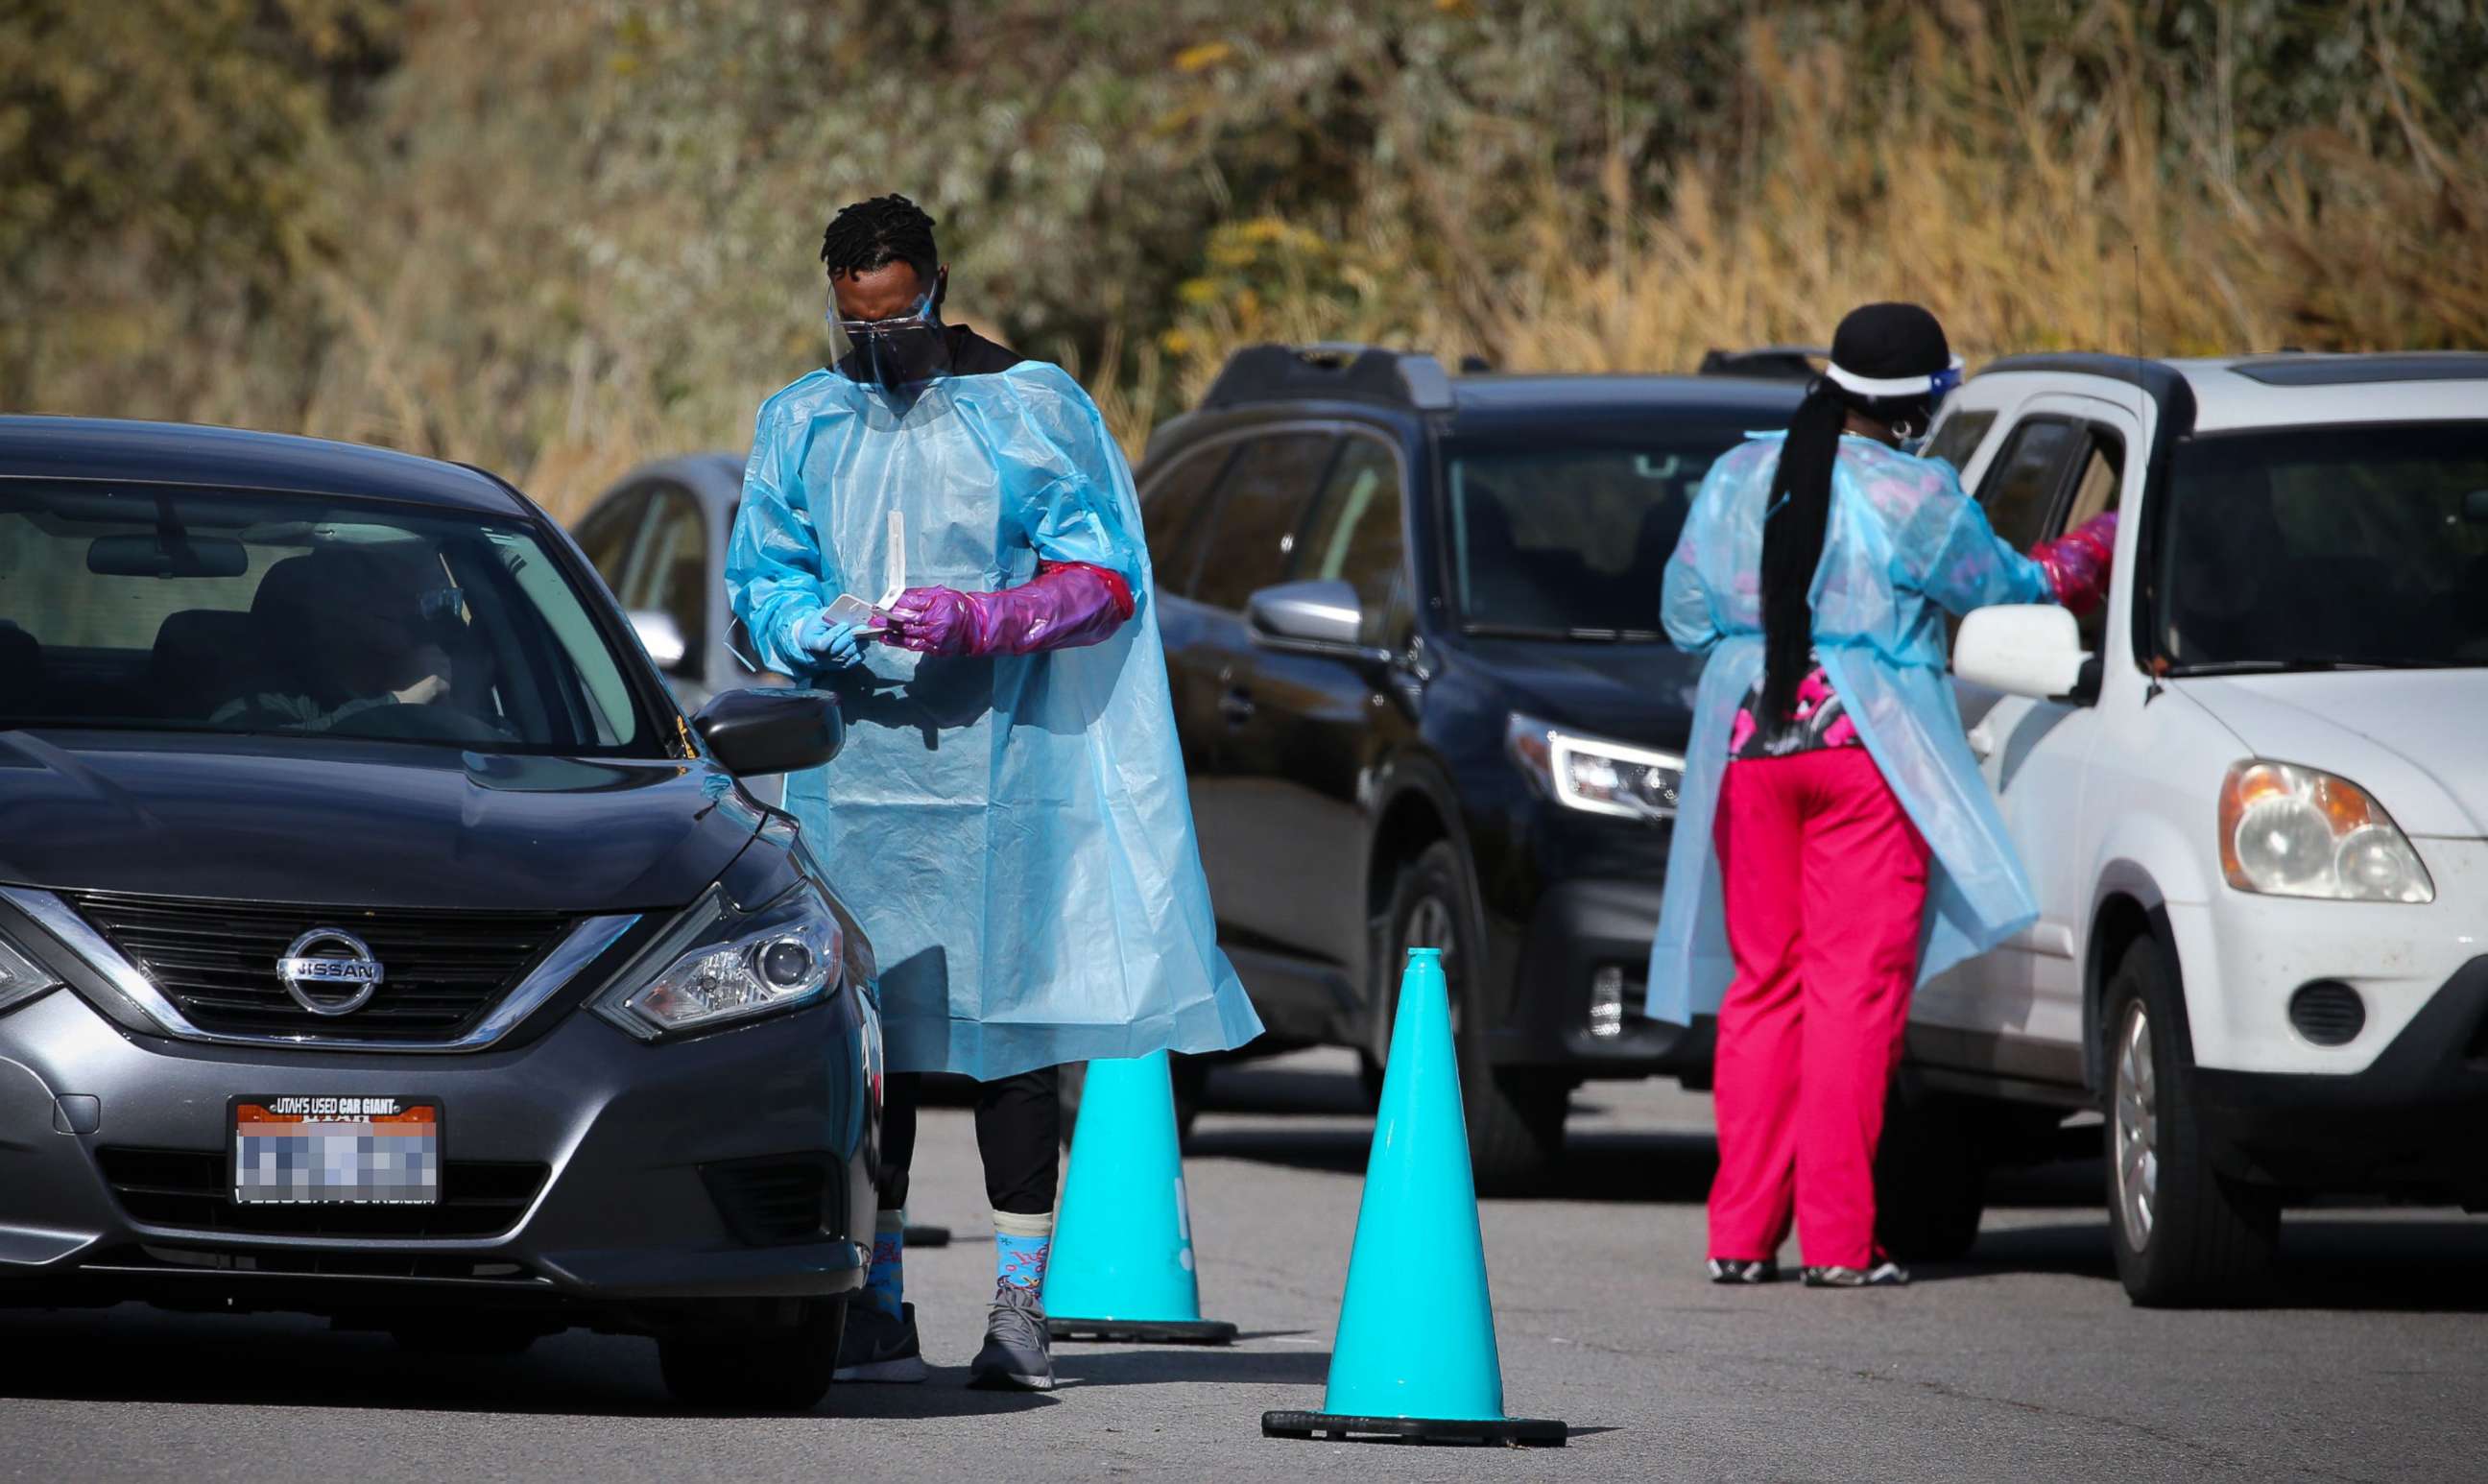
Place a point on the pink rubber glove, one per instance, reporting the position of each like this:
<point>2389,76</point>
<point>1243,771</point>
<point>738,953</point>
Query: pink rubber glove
<point>1067,605</point>
<point>2077,562</point>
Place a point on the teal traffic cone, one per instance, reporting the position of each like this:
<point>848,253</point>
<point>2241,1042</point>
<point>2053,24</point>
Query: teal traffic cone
<point>1121,1267</point>
<point>1415,1354</point>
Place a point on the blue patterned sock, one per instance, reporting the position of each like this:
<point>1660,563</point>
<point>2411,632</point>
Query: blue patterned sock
<point>886,1286</point>
<point>1021,1245</point>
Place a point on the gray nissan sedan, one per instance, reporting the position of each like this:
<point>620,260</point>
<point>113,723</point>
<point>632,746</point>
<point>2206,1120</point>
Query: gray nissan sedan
<point>378,939</point>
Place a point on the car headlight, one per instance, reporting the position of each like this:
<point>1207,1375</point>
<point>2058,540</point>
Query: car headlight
<point>2287,831</point>
<point>1593,774</point>
<point>720,967</point>
<point>21,978</point>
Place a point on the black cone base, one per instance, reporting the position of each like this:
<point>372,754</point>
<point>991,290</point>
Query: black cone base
<point>929,1235</point>
<point>1143,1332</point>
<point>1510,1432</point>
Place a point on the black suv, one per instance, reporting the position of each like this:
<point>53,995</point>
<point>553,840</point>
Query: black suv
<point>1412,625</point>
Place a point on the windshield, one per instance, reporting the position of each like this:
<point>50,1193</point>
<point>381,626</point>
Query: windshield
<point>1563,539</point>
<point>2330,548</point>
<point>166,608</point>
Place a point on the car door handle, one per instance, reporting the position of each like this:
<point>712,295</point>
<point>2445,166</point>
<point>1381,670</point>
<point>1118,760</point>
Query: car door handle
<point>1982,742</point>
<point>1237,707</point>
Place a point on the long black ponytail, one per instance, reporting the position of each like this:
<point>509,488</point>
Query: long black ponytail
<point>1890,363</point>
<point>1792,532</point>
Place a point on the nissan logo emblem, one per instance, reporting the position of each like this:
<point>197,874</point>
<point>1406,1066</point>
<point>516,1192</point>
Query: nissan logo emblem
<point>347,967</point>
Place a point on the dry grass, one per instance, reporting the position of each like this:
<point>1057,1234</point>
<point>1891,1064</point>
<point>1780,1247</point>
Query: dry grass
<point>524,288</point>
<point>1942,185</point>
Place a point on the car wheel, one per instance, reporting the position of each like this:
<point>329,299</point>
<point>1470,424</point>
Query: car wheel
<point>1930,1181</point>
<point>2182,1232</point>
<point>1514,1114</point>
<point>771,1370</point>
<point>1191,1075</point>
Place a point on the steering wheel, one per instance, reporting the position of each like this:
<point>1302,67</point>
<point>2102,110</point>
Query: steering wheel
<point>417,723</point>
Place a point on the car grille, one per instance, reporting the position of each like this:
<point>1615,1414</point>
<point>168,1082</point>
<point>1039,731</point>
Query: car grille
<point>193,1189</point>
<point>216,961</point>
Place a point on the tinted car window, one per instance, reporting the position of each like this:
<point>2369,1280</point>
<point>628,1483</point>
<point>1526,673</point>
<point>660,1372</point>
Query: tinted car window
<point>1353,534</point>
<point>2022,483</point>
<point>605,534</point>
<point>1261,504</point>
<point>1959,438</point>
<point>673,570</point>
<point>208,610</point>
<point>1173,510</point>
<point>2364,546</point>
<point>1551,534</point>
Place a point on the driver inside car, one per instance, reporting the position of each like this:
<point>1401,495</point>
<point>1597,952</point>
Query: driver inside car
<point>372,635</point>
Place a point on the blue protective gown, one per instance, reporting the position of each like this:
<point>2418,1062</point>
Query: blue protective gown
<point>1905,545</point>
<point>1013,832</point>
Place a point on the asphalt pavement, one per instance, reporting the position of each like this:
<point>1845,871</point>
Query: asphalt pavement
<point>2024,1362</point>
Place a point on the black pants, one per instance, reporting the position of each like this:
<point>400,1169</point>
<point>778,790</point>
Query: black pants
<point>1019,1132</point>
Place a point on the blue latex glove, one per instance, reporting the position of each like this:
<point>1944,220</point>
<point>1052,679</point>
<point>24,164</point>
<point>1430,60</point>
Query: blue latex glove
<point>829,644</point>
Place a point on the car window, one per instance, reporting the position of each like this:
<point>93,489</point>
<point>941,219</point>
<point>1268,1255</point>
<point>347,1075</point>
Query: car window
<point>2295,549</point>
<point>1959,438</point>
<point>1260,504</point>
<point>672,572</point>
<point>195,609</point>
<point>1553,535</point>
<point>1173,506</point>
<point>1353,535</point>
<point>2021,485</point>
<point>2098,486</point>
<point>605,534</point>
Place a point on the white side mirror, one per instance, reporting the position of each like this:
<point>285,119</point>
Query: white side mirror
<point>2033,649</point>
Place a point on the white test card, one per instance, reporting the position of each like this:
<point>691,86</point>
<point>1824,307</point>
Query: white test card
<point>893,560</point>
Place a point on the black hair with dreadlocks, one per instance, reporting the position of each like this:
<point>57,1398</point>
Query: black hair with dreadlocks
<point>877,233</point>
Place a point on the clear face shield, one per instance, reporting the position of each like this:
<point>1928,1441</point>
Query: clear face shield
<point>1939,386</point>
<point>901,351</point>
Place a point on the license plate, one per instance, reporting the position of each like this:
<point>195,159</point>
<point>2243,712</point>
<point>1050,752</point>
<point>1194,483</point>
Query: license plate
<point>345,1151</point>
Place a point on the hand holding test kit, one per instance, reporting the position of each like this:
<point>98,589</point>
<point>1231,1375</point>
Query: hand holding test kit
<point>872,619</point>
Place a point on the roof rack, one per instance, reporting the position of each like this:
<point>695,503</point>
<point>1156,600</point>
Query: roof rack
<point>1332,371</point>
<point>1766,362</point>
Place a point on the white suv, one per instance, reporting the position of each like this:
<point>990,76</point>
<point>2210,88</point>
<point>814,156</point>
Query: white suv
<point>2252,795</point>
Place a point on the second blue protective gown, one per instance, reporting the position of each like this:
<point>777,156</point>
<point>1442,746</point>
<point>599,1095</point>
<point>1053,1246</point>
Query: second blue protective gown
<point>1905,545</point>
<point>1013,832</point>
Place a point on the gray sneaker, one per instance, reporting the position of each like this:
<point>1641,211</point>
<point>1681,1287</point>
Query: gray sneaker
<point>1017,1355</point>
<point>878,1347</point>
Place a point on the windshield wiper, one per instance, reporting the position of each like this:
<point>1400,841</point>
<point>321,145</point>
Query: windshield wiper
<point>1577,635</point>
<point>2276,666</point>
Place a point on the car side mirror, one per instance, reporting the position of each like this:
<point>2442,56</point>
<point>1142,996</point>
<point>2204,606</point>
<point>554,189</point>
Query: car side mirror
<point>2029,649</point>
<point>1322,618</point>
<point>757,732</point>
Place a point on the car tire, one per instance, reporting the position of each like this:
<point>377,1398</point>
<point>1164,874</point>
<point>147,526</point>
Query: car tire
<point>1514,1114</point>
<point>2183,1233</point>
<point>1191,1076</point>
<point>768,1371</point>
<point>1930,1178</point>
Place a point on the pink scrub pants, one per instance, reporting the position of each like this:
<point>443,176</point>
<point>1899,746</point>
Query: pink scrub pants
<point>1826,881</point>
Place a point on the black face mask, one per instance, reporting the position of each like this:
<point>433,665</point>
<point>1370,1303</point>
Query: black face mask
<point>904,350</point>
<point>901,358</point>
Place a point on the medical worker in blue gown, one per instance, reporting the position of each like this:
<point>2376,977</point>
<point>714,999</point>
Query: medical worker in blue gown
<point>1008,818</point>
